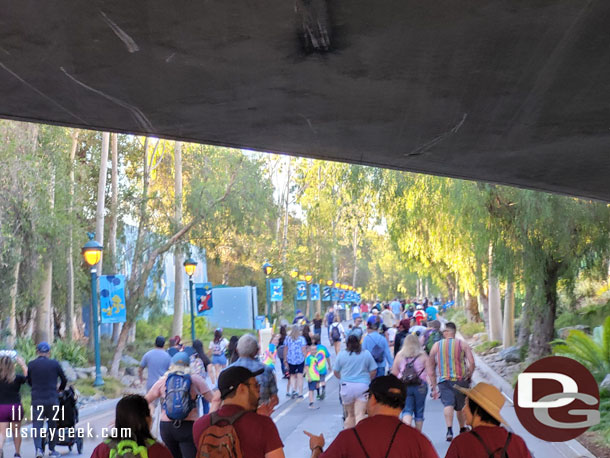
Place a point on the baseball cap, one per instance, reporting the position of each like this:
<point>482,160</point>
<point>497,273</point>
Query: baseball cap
<point>219,329</point>
<point>232,377</point>
<point>43,347</point>
<point>298,311</point>
<point>177,340</point>
<point>388,387</point>
<point>181,357</point>
<point>159,341</point>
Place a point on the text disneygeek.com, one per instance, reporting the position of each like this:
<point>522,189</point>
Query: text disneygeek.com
<point>63,434</point>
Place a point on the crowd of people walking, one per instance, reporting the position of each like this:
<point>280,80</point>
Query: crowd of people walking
<point>388,362</point>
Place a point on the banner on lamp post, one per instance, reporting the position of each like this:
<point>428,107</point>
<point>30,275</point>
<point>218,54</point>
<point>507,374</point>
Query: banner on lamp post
<point>277,289</point>
<point>301,291</point>
<point>203,298</point>
<point>112,298</point>
<point>334,294</point>
<point>314,292</point>
<point>326,293</point>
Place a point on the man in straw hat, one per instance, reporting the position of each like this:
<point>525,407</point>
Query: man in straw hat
<point>487,437</point>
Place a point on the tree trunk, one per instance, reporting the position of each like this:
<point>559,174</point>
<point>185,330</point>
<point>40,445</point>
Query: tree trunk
<point>355,254</point>
<point>70,321</point>
<point>178,258</point>
<point>43,330</point>
<point>426,288</point>
<point>120,346</point>
<point>543,319</point>
<point>286,203</point>
<point>526,318</point>
<point>495,307</point>
<point>12,322</point>
<point>114,217</point>
<point>508,336</point>
<point>472,308</point>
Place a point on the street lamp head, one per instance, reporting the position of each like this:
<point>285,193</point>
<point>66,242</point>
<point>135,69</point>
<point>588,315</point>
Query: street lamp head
<point>267,268</point>
<point>329,283</point>
<point>337,285</point>
<point>294,273</point>
<point>189,266</point>
<point>308,277</point>
<point>92,251</point>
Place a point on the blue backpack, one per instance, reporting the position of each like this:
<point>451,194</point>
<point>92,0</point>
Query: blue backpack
<point>178,403</point>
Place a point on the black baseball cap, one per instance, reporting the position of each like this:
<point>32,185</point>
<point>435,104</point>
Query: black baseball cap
<point>388,388</point>
<point>232,377</point>
<point>160,341</point>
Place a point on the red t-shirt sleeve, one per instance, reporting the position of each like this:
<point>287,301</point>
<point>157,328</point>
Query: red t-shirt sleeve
<point>271,434</point>
<point>337,447</point>
<point>101,451</point>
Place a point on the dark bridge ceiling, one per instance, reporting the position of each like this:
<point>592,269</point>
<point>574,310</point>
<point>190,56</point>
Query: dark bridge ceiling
<point>506,91</point>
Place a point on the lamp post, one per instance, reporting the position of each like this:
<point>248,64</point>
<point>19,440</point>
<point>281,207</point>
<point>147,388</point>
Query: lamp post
<point>267,270</point>
<point>309,279</point>
<point>189,267</point>
<point>92,252</point>
<point>294,273</point>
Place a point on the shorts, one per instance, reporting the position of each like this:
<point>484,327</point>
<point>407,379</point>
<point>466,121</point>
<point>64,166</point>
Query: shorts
<point>416,401</point>
<point>219,359</point>
<point>296,368</point>
<point>450,397</point>
<point>313,386</point>
<point>10,413</point>
<point>352,392</point>
<point>322,378</point>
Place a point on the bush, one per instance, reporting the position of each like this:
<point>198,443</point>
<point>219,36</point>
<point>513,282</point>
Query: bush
<point>481,348</point>
<point>470,329</point>
<point>457,315</point>
<point>603,428</point>
<point>73,352</point>
<point>26,348</point>
<point>591,351</point>
<point>591,315</point>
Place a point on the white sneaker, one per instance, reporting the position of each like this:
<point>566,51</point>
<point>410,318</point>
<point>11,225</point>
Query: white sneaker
<point>39,453</point>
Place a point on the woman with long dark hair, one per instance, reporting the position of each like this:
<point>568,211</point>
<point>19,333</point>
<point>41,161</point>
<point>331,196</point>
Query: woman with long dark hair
<point>307,334</point>
<point>10,400</point>
<point>280,351</point>
<point>219,358</point>
<point>232,353</point>
<point>355,368</point>
<point>132,429</point>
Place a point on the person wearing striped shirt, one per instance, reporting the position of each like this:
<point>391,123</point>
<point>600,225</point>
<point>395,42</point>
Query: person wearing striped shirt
<point>453,361</point>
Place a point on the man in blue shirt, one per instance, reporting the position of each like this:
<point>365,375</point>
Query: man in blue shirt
<point>431,311</point>
<point>43,373</point>
<point>378,347</point>
<point>396,307</point>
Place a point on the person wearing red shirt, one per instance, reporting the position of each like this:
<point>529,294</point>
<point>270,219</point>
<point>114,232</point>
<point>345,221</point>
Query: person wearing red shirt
<point>482,410</point>
<point>133,417</point>
<point>258,436</point>
<point>419,315</point>
<point>382,434</point>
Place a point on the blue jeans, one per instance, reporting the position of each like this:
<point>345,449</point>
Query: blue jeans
<point>40,412</point>
<point>416,401</point>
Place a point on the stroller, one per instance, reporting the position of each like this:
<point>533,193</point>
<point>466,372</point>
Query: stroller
<point>68,419</point>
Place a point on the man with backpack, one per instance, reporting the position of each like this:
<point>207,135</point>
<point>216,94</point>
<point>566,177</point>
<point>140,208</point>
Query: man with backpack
<point>356,329</point>
<point>382,433</point>
<point>486,438</point>
<point>179,389</point>
<point>378,347</point>
<point>236,429</point>
<point>336,333</point>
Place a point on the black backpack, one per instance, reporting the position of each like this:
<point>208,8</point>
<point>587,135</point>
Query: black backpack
<point>335,334</point>
<point>178,403</point>
<point>409,375</point>
<point>500,452</point>
<point>378,353</point>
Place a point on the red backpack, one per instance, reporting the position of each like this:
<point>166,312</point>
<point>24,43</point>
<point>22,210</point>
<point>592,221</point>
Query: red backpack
<point>220,441</point>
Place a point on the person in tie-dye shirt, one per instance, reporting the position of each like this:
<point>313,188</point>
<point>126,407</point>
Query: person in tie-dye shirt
<point>312,372</point>
<point>324,366</point>
<point>271,352</point>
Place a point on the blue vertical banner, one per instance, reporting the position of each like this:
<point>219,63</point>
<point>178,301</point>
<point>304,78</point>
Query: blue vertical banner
<point>301,291</point>
<point>277,289</point>
<point>342,295</point>
<point>334,294</point>
<point>203,298</point>
<point>314,292</point>
<point>112,298</point>
<point>326,293</point>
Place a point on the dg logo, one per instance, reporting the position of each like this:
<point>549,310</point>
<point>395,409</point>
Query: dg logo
<point>557,399</point>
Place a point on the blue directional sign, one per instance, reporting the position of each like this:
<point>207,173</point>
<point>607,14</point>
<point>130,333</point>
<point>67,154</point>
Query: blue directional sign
<point>112,298</point>
<point>334,294</point>
<point>277,289</point>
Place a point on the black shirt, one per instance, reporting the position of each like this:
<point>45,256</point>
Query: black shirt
<point>42,377</point>
<point>398,340</point>
<point>9,392</point>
